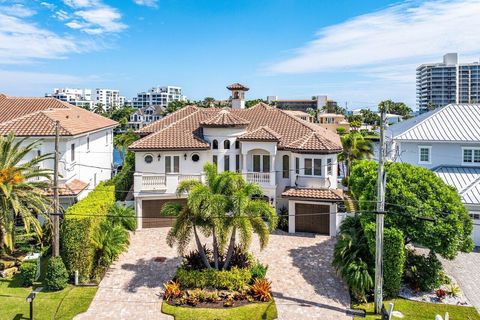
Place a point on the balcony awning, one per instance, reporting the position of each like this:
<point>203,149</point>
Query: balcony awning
<point>332,195</point>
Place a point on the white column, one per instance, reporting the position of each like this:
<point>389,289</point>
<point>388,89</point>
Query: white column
<point>244,163</point>
<point>139,213</point>
<point>291,216</point>
<point>273,174</point>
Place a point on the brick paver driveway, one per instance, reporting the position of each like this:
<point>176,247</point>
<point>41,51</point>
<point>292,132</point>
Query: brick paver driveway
<point>465,268</point>
<point>304,283</point>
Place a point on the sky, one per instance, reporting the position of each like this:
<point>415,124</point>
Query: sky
<point>356,52</point>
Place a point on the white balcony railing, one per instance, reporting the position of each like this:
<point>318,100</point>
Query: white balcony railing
<point>258,177</point>
<point>153,182</point>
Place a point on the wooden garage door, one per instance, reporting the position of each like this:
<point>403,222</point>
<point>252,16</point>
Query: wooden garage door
<point>307,221</point>
<point>151,213</point>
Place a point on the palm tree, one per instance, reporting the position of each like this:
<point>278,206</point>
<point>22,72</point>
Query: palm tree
<point>110,240</point>
<point>355,147</point>
<point>22,192</point>
<point>98,108</point>
<point>123,216</point>
<point>123,141</point>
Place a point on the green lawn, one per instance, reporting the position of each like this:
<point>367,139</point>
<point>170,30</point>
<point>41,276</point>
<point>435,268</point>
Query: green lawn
<point>63,304</point>
<point>254,311</point>
<point>413,310</point>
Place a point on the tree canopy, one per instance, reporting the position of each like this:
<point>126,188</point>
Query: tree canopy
<point>414,192</point>
<point>398,108</point>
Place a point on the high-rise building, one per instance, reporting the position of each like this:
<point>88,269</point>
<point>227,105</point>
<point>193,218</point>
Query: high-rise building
<point>158,96</point>
<point>439,84</point>
<point>302,105</point>
<point>76,97</point>
<point>107,97</point>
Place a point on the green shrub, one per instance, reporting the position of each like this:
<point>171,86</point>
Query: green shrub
<point>28,273</point>
<point>234,279</point>
<point>341,131</point>
<point>81,222</point>
<point>393,257</point>
<point>259,271</point>
<point>283,219</point>
<point>423,272</point>
<point>124,179</point>
<point>56,277</point>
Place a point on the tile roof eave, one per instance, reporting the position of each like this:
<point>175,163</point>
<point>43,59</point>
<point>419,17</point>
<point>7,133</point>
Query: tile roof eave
<point>169,149</point>
<point>306,151</point>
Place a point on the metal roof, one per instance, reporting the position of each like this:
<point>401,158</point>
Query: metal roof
<point>454,122</point>
<point>465,179</point>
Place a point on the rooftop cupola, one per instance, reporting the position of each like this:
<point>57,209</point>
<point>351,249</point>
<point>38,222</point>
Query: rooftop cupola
<point>238,95</point>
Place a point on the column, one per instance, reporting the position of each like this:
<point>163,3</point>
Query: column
<point>273,174</point>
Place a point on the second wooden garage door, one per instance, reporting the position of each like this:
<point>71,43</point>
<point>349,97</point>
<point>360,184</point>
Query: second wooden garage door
<point>151,213</point>
<point>306,219</point>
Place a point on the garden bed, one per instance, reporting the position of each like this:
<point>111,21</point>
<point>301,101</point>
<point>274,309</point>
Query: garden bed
<point>250,311</point>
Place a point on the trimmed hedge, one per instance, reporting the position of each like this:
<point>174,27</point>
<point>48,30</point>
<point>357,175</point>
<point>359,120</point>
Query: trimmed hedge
<point>234,279</point>
<point>81,221</point>
<point>28,273</point>
<point>393,257</point>
<point>56,277</point>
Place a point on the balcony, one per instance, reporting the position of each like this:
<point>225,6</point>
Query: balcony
<point>153,182</point>
<point>258,177</point>
<point>161,182</point>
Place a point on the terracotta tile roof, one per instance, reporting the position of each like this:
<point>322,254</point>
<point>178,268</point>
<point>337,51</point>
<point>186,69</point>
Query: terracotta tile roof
<point>182,130</point>
<point>70,189</point>
<point>224,119</point>
<point>261,134</point>
<point>37,116</point>
<point>237,86</point>
<point>312,193</point>
<point>167,120</point>
<point>313,142</point>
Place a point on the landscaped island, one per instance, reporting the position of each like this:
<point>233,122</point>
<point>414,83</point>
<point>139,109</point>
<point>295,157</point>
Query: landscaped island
<point>223,280</point>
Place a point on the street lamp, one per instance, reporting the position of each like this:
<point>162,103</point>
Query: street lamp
<point>30,299</point>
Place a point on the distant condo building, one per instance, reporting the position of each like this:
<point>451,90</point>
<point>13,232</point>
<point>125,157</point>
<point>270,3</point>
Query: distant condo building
<point>158,96</point>
<point>76,97</point>
<point>107,97</point>
<point>301,105</point>
<point>439,84</point>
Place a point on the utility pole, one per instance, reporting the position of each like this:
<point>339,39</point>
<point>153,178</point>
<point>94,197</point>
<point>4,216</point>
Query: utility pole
<point>380,217</point>
<point>56,217</point>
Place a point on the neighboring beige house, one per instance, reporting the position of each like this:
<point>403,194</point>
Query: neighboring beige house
<point>294,161</point>
<point>85,144</point>
<point>333,121</point>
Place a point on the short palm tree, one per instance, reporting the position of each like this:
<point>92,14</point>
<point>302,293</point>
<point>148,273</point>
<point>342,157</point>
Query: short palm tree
<point>110,240</point>
<point>22,189</point>
<point>355,147</point>
<point>124,216</point>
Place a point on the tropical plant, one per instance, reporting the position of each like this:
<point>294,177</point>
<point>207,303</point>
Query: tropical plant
<point>172,290</point>
<point>99,109</point>
<point>261,290</point>
<point>124,216</point>
<point>22,189</point>
<point>351,258</point>
<point>110,240</point>
<point>123,141</point>
<point>453,290</point>
<point>220,207</point>
<point>259,270</point>
<point>355,147</point>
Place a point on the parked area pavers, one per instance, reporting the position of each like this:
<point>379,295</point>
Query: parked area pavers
<point>465,268</point>
<point>304,284</point>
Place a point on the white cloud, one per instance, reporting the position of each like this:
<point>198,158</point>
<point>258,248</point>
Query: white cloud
<point>74,24</point>
<point>18,10</point>
<point>81,3</point>
<point>147,3</point>
<point>61,15</point>
<point>22,41</point>
<point>48,5</point>
<point>101,19</point>
<point>398,38</point>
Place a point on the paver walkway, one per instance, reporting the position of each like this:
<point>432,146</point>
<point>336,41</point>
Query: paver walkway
<point>304,283</point>
<point>465,268</point>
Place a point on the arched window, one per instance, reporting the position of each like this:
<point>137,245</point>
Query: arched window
<point>286,166</point>
<point>237,144</point>
<point>214,144</point>
<point>226,144</point>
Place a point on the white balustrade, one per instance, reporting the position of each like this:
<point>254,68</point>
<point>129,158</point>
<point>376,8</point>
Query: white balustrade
<point>153,182</point>
<point>258,177</point>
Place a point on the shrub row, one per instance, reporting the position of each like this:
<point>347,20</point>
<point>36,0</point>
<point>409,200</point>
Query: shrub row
<point>393,257</point>
<point>234,279</point>
<point>80,224</point>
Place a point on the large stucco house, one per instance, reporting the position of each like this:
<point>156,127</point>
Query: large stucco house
<point>447,141</point>
<point>293,160</point>
<point>85,140</point>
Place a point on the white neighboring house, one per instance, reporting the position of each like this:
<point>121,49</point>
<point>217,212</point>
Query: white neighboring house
<point>86,140</point>
<point>293,160</point>
<point>447,141</point>
<point>144,116</point>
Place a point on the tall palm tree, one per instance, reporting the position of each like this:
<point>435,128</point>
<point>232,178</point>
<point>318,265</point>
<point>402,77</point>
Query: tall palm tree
<point>355,147</point>
<point>123,141</point>
<point>98,108</point>
<point>22,192</point>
